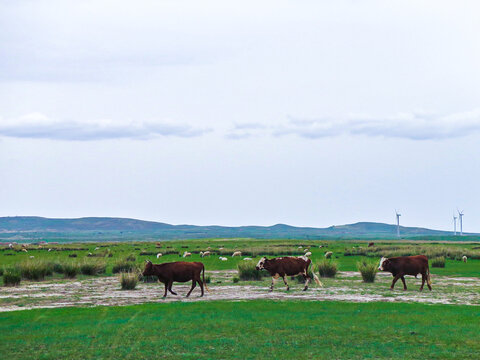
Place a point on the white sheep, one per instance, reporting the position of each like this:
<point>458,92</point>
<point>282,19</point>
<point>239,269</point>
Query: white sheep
<point>31,256</point>
<point>24,250</point>
<point>10,246</point>
<point>186,253</point>
<point>237,253</point>
<point>203,254</point>
<point>246,259</point>
<point>464,259</point>
<point>159,255</point>
<point>328,254</point>
<point>306,250</point>
<point>97,248</point>
<point>308,253</point>
<point>300,247</point>
<point>223,258</point>
<point>49,250</point>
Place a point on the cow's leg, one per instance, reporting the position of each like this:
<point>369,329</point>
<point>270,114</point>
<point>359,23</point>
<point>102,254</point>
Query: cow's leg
<point>194,283</point>
<point>307,279</point>
<point>200,282</point>
<point>170,287</point>
<point>423,281</point>
<point>166,287</point>
<point>273,281</point>
<point>285,282</point>
<point>403,281</point>
<point>394,281</point>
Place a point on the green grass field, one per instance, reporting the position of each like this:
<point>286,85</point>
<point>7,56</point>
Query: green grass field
<point>252,329</point>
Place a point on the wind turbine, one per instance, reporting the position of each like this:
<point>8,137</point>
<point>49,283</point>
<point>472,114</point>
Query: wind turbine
<point>398,222</point>
<point>460,217</point>
<point>454,224</point>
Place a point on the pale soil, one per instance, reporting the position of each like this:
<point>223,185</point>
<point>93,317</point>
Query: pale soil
<point>347,286</point>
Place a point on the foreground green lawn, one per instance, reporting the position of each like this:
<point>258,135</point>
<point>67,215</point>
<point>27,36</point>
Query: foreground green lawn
<point>253,329</point>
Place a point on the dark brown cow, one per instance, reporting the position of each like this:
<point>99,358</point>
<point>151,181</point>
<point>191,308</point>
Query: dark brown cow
<point>179,271</point>
<point>407,265</point>
<point>287,266</point>
<point>371,244</point>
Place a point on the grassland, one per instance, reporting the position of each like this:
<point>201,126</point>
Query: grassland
<point>247,330</point>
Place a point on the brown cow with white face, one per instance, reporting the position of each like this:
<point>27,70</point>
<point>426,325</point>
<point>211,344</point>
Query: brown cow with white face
<point>179,271</point>
<point>407,265</point>
<point>287,266</point>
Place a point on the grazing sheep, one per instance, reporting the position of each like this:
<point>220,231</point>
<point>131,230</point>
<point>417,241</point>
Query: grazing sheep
<point>220,248</point>
<point>464,259</point>
<point>97,248</point>
<point>223,258</point>
<point>328,255</point>
<point>31,256</point>
<point>203,254</point>
<point>209,248</point>
<point>306,250</point>
<point>247,259</point>
<point>308,253</point>
<point>186,253</point>
<point>320,246</point>
<point>10,246</point>
<point>159,255</point>
<point>49,250</point>
<point>237,253</point>
<point>300,247</point>
<point>24,250</point>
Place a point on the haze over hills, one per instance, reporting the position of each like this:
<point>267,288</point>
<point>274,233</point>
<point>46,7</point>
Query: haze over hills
<point>106,228</point>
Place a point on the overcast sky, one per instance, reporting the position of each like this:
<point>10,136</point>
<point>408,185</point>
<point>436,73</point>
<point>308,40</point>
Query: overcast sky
<point>310,113</point>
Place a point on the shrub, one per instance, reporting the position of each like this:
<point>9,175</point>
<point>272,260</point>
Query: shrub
<point>131,257</point>
<point>128,280</point>
<point>93,268</point>
<point>35,270</point>
<point>124,266</point>
<point>1,271</point>
<point>368,271</point>
<point>72,255</point>
<point>327,268</point>
<point>207,279</point>
<point>11,276</point>
<point>438,262</point>
<point>247,271</point>
<point>236,279</point>
<point>70,270</point>
<point>58,268</point>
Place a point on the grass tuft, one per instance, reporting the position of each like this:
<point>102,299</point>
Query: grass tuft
<point>438,262</point>
<point>128,280</point>
<point>327,268</point>
<point>247,271</point>
<point>11,276</point>
<point>368,271</point>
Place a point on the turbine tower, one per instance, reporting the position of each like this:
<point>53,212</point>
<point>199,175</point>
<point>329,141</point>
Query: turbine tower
<point>454,225</point>
<point>460,218</point>
<point>398,222</point>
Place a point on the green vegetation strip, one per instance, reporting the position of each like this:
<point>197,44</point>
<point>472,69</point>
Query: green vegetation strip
<point>244,330</point>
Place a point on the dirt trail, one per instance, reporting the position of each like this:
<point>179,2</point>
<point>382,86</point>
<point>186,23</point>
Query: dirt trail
<point>346,287</point>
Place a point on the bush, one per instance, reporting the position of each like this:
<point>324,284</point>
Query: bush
<point>70,270</point>
<point>128,280</point>
<point>438,262</point>
<point>327,268</point>
<point>368,271</point>
<point>124,266</point>
<point>35,270</point>
<point>58,268</point>
<point>247,271</point>
<point>93,268</point>
<point>235,279</point>
<point>11,277</point>
<point>207,279</point>
<point>131,257</point>
<point>72,255</point>
<point>1,271</point>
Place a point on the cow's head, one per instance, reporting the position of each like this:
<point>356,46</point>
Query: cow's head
<point>148,268</point>
<point>384,264</point>
<point>261,263</point>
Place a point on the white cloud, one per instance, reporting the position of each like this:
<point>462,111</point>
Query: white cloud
<point>39,126</point>
<point>413,126</point>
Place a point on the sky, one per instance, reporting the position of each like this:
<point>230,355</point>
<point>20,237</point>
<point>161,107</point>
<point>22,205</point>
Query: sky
<point>310,113</point>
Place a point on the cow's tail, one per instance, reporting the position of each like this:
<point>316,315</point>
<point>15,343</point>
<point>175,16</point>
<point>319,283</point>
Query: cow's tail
<point>203,278</point>
<point>315,277</point>
<point>429,281</point>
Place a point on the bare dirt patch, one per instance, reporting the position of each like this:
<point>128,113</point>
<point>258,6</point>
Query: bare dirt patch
<point>105,291</point>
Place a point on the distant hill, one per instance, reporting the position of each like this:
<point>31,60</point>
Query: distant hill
<point>103,228</point>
